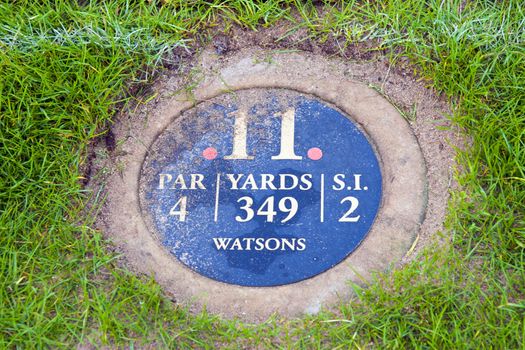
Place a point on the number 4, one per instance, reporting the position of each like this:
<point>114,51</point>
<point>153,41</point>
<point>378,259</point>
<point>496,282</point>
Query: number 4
<point>267,209</point>
<point>181,212</point>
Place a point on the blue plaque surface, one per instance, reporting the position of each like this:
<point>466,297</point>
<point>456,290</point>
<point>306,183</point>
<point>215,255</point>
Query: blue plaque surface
<point>261,187</point>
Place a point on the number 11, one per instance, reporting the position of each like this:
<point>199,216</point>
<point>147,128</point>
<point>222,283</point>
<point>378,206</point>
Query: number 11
<point>240,133</point>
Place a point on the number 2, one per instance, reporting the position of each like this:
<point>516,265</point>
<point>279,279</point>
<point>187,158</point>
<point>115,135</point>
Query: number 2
<point>354,203</point>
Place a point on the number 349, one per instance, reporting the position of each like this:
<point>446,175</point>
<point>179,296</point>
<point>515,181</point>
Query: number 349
<point>289,206</point>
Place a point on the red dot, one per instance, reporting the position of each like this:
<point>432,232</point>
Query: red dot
<point>209,153</point>
<point>315,153</point>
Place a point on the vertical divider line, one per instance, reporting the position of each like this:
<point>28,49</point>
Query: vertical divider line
<point>217,190</point>
<point>322,198</point>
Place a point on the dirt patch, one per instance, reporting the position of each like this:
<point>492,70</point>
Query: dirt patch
<point>425,112</point>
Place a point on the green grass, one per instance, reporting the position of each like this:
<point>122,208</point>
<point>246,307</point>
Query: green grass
<point>64,67</point>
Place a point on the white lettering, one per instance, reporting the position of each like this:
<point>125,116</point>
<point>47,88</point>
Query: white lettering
<point>286,242</point>
<point>162,180</point>
<point>181,212</point>
<point>354,203</point>
<point>287,205</point>
<point>248,242</point>
<point>357,183</point>
<point>221,243</point>
<point>234,180</point>
<point>291,209</point>
<point>250,181</point>
<point>196,180</point>
<point>287,137</point>
<point>179,181</point>
<point>306,180</point>
<point>267,209</point>
<point>259,244</point>
<point>339,180</point>
<point>236,245</point>
<point>282,184</point>
<point>267,182</point>
<point>240,130</point>
<point>247,207</point>
<point>268,244</point>
<point>301,244</point>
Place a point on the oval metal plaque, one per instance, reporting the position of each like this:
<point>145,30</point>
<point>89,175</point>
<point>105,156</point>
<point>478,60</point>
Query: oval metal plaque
<point>261,187</point>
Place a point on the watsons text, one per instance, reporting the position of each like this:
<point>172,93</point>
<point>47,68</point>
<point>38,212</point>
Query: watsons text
<point>260,243</point>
